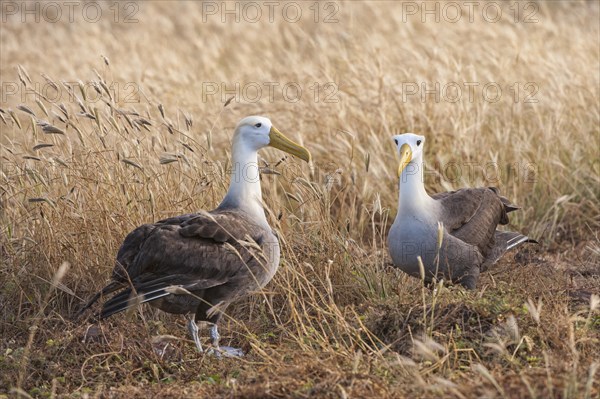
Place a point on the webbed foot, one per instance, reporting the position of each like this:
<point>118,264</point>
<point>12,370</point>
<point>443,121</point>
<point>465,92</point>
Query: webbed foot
<point>222,351</point>
<point>225,351</point>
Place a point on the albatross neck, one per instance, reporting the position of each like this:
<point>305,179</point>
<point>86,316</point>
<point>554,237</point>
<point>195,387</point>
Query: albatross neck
<point>412,197</point>
<point>244,189</point>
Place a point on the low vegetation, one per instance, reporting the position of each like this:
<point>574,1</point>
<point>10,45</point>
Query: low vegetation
<point>133,137</point>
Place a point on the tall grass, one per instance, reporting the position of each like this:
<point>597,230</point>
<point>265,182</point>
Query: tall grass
<point>80,171</point>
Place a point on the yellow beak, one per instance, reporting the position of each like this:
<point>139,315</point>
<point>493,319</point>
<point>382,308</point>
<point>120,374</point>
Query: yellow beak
<point>405,158</point>
<point>279,141</point>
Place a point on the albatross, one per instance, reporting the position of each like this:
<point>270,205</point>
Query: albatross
<point>197,264</point>
<point>453,233</point>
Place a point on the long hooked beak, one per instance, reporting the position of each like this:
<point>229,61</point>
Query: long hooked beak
<point>405,158</point>
<point>279,141</point>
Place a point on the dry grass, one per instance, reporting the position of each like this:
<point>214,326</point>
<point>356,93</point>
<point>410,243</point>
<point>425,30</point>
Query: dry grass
<point>81,171</point>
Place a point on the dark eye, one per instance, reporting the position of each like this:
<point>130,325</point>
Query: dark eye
<point>418,142</point>
<point>396,141</point>
<point>258,124</point>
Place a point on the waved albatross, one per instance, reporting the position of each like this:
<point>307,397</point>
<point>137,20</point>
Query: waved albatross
<point>217,256</point>
<point>469,217</point>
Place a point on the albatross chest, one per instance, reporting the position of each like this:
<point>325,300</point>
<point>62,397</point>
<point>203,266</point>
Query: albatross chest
<point>409,238</point>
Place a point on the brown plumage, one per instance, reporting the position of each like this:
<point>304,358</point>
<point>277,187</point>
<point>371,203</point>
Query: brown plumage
<point>469,218</point>
<point>190,252</point>
<point>200,263</point>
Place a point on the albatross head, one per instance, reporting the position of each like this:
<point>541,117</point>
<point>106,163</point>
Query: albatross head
<point>256,132</point>
<point>410,147</point>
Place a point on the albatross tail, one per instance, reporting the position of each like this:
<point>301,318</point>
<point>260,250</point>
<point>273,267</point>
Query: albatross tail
<point>128,299</point>
<point>504,241</point>
<point>110,288</point>
<point>511,239</point>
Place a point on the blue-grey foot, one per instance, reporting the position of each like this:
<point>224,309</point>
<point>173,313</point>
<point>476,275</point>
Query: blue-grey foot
<point>193,329</point>
<point>222,351</point>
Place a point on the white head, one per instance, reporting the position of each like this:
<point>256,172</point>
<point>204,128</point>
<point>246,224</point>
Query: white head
<point>251,134</point>
<point>410,148</point>
<point>256,132</point>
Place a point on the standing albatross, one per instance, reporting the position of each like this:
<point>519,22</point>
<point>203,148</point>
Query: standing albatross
<point>469,217</point>
<point>217,256</point>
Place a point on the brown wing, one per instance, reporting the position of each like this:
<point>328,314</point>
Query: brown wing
<point>188,251</point>
<point>183,241</point>
<point>473,214</point>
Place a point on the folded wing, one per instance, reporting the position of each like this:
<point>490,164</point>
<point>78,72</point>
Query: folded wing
<point>473,214</point>
<point>195,252</point>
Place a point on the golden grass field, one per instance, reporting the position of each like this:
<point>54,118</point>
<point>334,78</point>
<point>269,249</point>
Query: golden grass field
<point>137,130</point>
